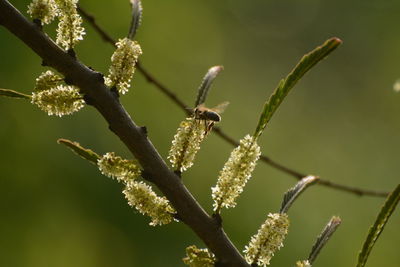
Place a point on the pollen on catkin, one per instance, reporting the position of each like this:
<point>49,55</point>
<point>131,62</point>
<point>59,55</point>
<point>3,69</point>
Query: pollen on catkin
<point>123,63</point>
<point>196,257</point>
<point>60,100</point>
<point>186,143</point>
<point>268,239</point>
<point>47,80</point>
<point>305,263</point>
<point>122,170</point>
<point>43,10</point>
<point>235,173</point>
<point>144,199</point>
<point>69,31</point>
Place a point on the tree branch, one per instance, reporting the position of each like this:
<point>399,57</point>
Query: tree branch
<point>92,85</point>
<point>295,174</point>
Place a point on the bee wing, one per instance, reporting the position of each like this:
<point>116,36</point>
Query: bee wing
<point>220,107</point>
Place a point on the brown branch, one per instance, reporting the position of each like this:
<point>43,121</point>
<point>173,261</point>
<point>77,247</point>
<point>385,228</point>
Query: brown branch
<point>151,79</point>
<point>134,137</point>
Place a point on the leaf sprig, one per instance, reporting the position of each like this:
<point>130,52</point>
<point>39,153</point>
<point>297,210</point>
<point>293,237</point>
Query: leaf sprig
<point>285,85</point>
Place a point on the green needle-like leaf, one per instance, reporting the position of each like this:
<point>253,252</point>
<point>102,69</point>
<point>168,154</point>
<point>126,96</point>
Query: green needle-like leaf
<point>380,222</point>
<point>323,238</point>
<point>137,11</point>
<point>306,63</point>
<point>14,94</point>
<point>79,150</point>
<point>205,85</point>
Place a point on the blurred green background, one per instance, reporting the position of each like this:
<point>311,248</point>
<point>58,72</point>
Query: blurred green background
<point>340,122</point>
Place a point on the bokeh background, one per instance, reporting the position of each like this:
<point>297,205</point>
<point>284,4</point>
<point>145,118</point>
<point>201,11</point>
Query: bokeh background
<point>340,122</point>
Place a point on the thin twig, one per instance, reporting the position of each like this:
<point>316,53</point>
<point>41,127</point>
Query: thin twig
<point>151,79</point>
<point>98,29</point>
<point>299,175</point>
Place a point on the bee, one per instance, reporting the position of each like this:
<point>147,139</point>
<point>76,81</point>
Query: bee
<point>209,115</point>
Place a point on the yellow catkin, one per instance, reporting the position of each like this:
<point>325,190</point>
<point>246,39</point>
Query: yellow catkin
<point>196,257</point>
<point>268,239</point>
<point>144,199</point>
<point>303,264</point>
<point>186,143</point>
<point>122,170</point>
<point>70,30</point>
<point>61,100</point>
<point>47,80</point>
<point>235,173</point>
<point>43,10</point>
<point>123,63</point>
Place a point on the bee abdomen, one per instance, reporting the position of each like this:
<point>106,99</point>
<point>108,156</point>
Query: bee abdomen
<point>212,116</point>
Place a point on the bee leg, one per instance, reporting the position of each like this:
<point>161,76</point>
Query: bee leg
<point>209,127</point>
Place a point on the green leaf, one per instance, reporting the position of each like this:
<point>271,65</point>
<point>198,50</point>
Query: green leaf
<point>14,94</point>
<point>380,222</point>
<point>306,63</point>
<point>79,150</point>
<point>293,193</point>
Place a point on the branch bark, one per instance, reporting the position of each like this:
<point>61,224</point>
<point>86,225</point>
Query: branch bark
<point>134,137</point>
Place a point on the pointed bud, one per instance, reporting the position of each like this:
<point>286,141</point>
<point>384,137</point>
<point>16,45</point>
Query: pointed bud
<point>47,80</point>
<point>235,173</point>
<point>198,257</point>
<point>142,197</point>
<point>268,240</point>
<point>61,100</point>
<point>186,143</point>
<point>118,168</point>
<point>43,10</point>
<point>69,31</point>
<point>123,63</point>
